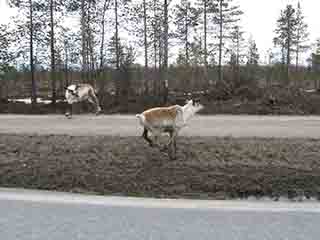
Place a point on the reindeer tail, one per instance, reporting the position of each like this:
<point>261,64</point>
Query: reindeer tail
<point>141,118</point>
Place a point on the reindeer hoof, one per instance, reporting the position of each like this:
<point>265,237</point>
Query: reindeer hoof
<point>98,110</point>
<point>68,115</point>
<point>164,148</point>
<point>152,145</point>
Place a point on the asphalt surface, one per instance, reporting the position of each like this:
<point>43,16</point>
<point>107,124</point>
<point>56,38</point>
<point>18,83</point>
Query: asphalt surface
<point>127,125</point>
<point>27,215</point>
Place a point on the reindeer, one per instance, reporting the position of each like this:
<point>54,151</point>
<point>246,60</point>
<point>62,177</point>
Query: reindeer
<point>167,120</point>
<point>79,93</point>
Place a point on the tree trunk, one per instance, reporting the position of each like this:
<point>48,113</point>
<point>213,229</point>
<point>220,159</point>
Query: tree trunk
<point>205,41</point>
<point>160,65</point>
<point>297,57</point>
<point>165,53</point>
<point>155,48</point>
<point>238,58</point>
<point>90,52</point>
<point>220,41</point>
<point>101,65</point>
<point>66,67</point>
<point>145,47</point>
<point>83,40</point>
<point>117,35</point>
<point>33,83</point>
<point>288,52</point>
<point>105,6</point>
<point>186,43</point>
<point>91,57</point>
<point>53,65</point>
<point>117,78</point>
<point>145,34</point>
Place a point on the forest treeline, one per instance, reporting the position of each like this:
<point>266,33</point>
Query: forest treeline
<point>148,47</point>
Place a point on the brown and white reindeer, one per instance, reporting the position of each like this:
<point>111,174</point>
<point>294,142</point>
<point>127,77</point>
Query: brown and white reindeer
<point>167,120</point>
<point>81,92</point>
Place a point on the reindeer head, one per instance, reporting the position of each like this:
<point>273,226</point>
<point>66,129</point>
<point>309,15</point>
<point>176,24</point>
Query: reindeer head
<point>191,108</point>
<point>72,89</point>
<point>193,102</point>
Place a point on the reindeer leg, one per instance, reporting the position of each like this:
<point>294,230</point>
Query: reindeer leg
<point>69,111</point>
<point>173,133</point>
<point>92,102</point>
<point>172,145</point>
<point>146,137</point>
<point>93,99</point>
<point>175,146</point>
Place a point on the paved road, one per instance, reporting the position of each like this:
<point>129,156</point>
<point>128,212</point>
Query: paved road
<point>127,125</point>
<point>30,215</point>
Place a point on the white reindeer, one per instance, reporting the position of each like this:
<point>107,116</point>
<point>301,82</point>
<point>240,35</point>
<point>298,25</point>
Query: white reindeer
<point>79,93</point>
<point>167,120</point>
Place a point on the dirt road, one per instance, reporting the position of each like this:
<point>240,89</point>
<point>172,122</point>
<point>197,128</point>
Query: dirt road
<point>127,125</point>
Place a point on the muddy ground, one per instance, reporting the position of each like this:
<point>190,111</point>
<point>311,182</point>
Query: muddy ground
<point>206,167</point>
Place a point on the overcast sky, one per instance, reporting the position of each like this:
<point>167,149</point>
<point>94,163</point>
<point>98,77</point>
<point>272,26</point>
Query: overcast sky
<point>259,18</point>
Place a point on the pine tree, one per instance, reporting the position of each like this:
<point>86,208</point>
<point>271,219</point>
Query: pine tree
<point>71,44</point>
<point>196,52</point>
<point>226,16</point>
<point>252,60</point>
<point>90,21</point>
<point>186,18</point>
<point>29,34</point>
<point>106,5</point>
<point>52,13</point>
<point>145,34</point>
<point>205,31</point>
<point>141,29</point>
<point>33,84</point>
<point>156,19</point>
<point>5,56</point>
<point>236,50</point>
<point>253,54</point>
<point>52,50</point>
<point>316,57</point>
<point>165,43</point>
<point>205,7</point>
<point>116,36</point>
<point>301,34</point>
<point>286,35</point>
<point>237,42</point>
<point>5,43</point>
